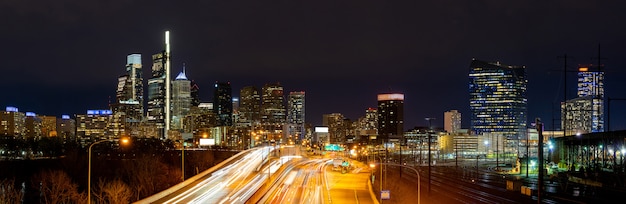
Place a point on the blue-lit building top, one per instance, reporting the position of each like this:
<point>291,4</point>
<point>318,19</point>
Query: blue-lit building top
<point>497,99</point>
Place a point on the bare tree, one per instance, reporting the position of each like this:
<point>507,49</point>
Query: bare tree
<point>114,192</point>
<point>149,175</point>
<point>8,192</point>
<point>56,187</point>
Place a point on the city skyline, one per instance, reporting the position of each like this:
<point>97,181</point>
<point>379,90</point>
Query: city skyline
<point>341,54</point>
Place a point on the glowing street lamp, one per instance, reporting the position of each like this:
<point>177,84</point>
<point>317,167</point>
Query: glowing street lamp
<point>123,140</point>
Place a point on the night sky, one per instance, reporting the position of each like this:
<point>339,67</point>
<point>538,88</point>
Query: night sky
<point>64,56</point>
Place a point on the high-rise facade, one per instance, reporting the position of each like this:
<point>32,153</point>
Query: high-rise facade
<point>159,91</point>
<point>128,107</point>
<point>156,94</point>
<point>273,112</point>
<point>451,121</point>
<point>337,127</point>
<point>296,115</point>
<point>249,105</point>
<point>498,99</point>
<point>12,122</point>
<point>181,100</point>
<point>585,114</point>
<point>195,93</point>
<point>390,117</point>
<point>223,103</point>
<point>66,128</point>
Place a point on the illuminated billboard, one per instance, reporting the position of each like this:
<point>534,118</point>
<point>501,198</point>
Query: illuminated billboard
<point>207,142</point>
<point>99,112</point>
<point>11,109</point>
<point>391,97</point>
<point>321,129</point>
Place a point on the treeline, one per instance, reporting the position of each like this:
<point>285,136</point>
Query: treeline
<point>120,173</point>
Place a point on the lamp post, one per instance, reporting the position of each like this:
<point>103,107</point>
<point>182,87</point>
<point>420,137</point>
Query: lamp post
<point>381,174</point>
<point>123,140</point>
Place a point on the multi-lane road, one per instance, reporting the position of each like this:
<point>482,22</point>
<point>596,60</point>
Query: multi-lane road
<point>271,175</point>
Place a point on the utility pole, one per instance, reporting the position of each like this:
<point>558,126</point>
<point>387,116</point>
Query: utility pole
<point>540,152</point>
<point>430,128</point>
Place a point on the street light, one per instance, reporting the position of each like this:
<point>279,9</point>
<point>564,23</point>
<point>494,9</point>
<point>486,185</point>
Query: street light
<point>123,140</point>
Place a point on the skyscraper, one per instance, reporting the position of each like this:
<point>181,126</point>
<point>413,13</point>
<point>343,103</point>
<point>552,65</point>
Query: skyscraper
<point>195,96</point>
<point>156,94</point>
<point>585,114</point>
<point>250,105</point>
<point>497,98</point>
<point>390,117</point>
<point>296,115</point>
<point>181,100</point>
<point>452,121</point>
<point>128,107</point>
<point>337,127</point>
<point>223,103</point>
<point>273,113</point>
<point>159,91</point>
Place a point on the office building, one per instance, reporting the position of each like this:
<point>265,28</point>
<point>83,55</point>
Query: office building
<point>296,116</point>
<point>181,100</point>
<point>249,105</point>
<point>452,121</point>
<point>273,112</point>
<point>337,127</point>
<point>585,114</point>
<point>223,103</point>
<point>159,91</point>
<point>12,122</point>
<point>390,117</point>
<point>128,109</point>
<point>497,99</point>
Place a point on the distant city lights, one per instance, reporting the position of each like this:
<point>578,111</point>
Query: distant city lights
<point>11,109</point>
<point>99,112</point>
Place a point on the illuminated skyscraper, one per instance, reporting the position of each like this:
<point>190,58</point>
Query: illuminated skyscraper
<point>337,127</point>
<point>390,117</point>
<point>296,115</point>
<point>273,113</point>
<point>585,114</point>
<point>498,99</point>
<point>181,100</point>
<point>250,105</point>
<point>156,94</point>
<point>273,104</point>
<point>12,122</point>
<point>223,103</point>
<point>128,107</point>
<point>159,96</point>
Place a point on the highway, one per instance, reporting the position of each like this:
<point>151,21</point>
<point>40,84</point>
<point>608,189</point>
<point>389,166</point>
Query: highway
<point>314,180</point>
<point>217,184</point>
<point>272,175</point>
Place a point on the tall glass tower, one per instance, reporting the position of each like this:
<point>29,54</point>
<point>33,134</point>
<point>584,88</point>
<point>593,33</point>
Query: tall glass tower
<point>128,107</point>
<point>498,99</point>
<point>296,116</point>
<point>223,103</point>
<point>159,87</point>
<point>181,100</point>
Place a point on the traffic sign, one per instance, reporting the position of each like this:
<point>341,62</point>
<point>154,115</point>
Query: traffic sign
<point>385,194</point>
